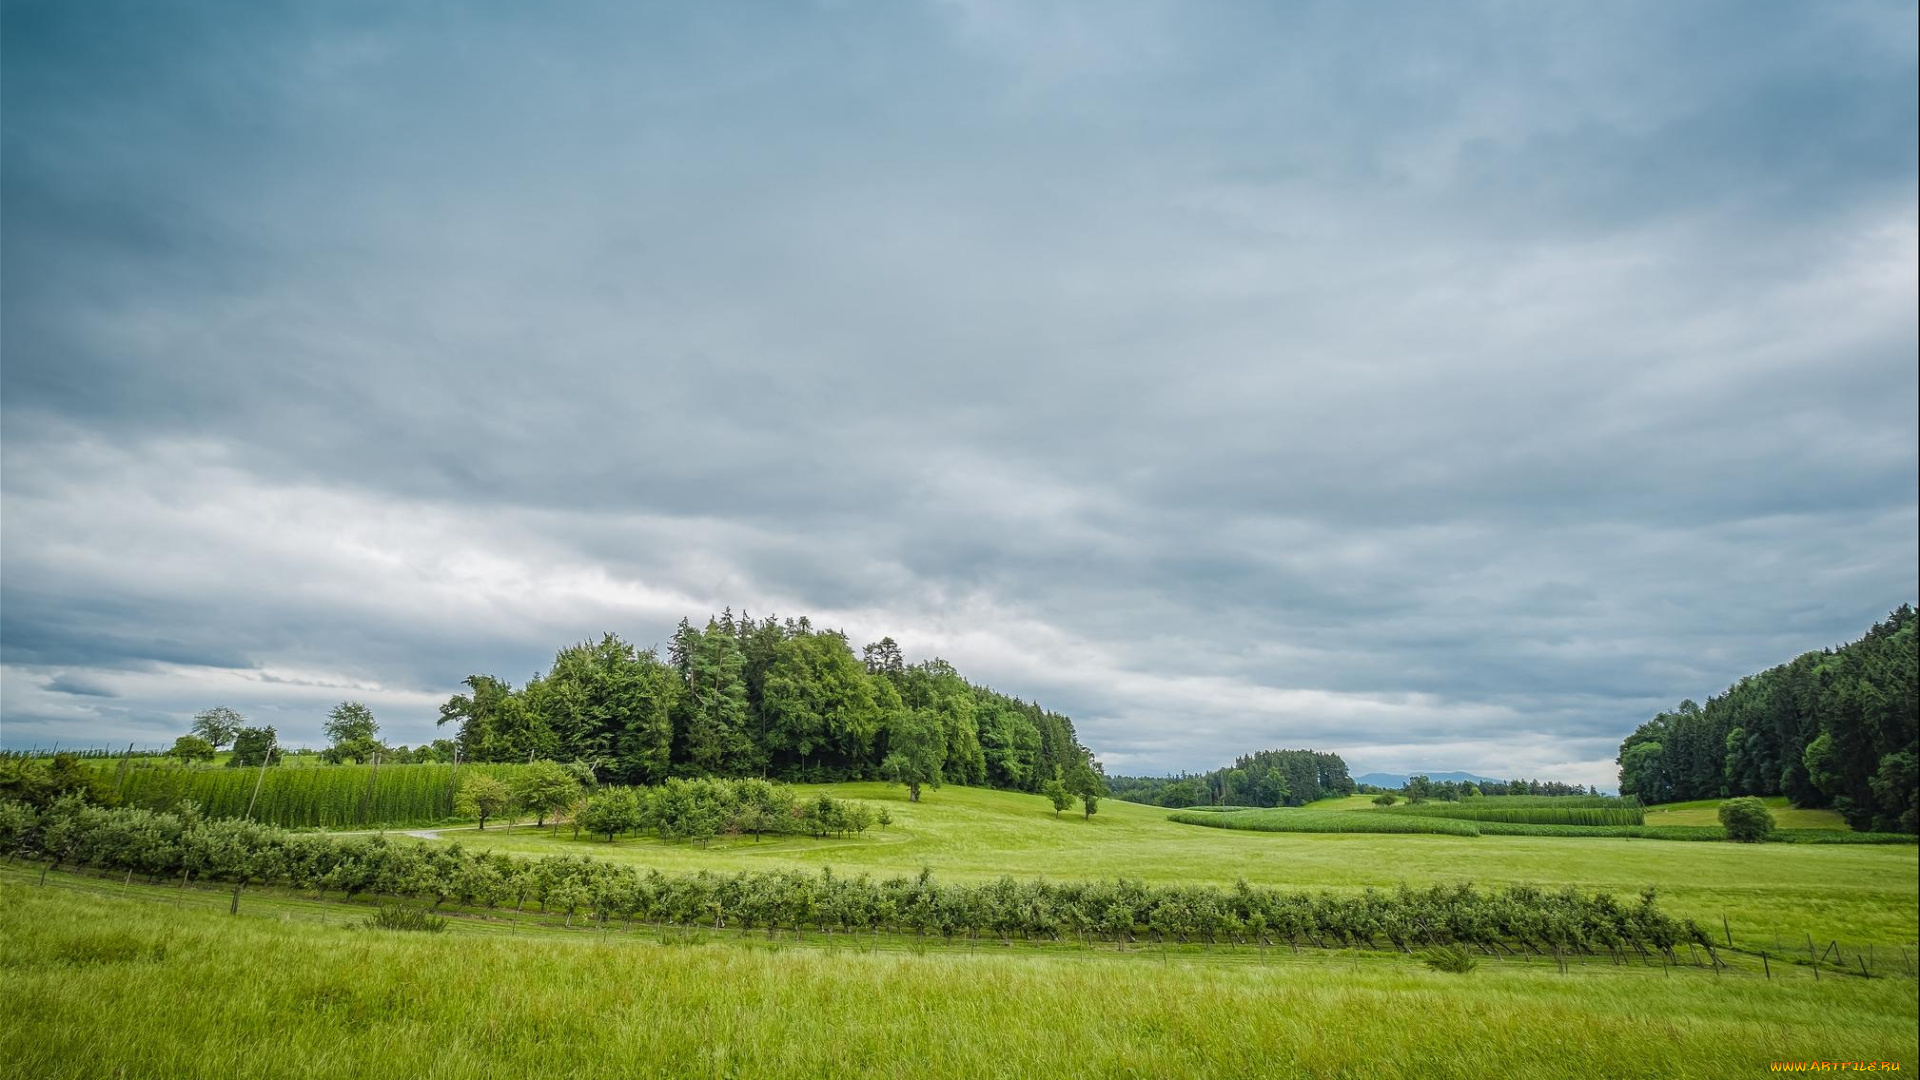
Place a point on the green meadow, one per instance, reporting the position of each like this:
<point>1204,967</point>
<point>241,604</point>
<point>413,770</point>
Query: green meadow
<point>1771,895</point>
<point>102,979</point>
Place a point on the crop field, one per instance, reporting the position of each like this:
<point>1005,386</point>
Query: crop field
<point>1848,893</point>
<point>1707,812</point>
<point>331,796</point>
<point>102,979</point>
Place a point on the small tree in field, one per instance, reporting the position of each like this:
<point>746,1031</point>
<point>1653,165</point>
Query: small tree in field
<point>218,725</point>
<point>1057,794</point>
<point>1385,800</point>
<point>1747,819</point>
<point>191,748</point>
<point>916,753</point>
<point>483,797</point>
<point>1085,781</point>
<point>544,787</point>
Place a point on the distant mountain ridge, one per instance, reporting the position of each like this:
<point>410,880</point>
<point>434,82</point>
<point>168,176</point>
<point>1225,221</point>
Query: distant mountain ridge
<point>1397,780</point>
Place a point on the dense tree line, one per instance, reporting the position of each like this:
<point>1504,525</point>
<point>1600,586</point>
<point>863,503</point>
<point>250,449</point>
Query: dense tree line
<point>1830,728</point>
<point>779,700</point>
<point>1265,778</point>
<point>1419,788</point>
<point>184,848</point>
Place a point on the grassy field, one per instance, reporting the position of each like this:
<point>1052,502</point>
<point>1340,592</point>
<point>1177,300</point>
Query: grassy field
<point>1845,893</point>
<point>106,980</point>
<point>1707,812</point>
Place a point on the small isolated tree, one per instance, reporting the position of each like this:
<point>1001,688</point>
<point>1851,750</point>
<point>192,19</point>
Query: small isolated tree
<point>1385,799</point>
<point>884,818</point>
<point>188,748</point>
<point>251,747</point>
<point>545,787</point>
<point>1747,819</point>
<point>218,725</point>
<point>610,812</point>
<point>353,731</point>
<point>1084,780</point>
<point>483,797</point>
<point>1056,792</point>
<point>915,752</point>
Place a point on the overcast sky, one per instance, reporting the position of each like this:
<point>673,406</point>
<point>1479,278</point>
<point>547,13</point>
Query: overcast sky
<point>1447,386</point>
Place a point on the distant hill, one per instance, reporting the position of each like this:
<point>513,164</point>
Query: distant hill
<point>1395,780</point>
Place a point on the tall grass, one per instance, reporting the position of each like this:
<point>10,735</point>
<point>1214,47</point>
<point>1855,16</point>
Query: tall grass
<point>1324,821</point>
<point>97,986</point>
<point>326,797</point>
<point>1480,810</point>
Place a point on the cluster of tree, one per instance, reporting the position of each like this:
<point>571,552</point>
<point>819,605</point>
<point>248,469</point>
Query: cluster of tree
<point>184,847</point>
<point>1266,778</point>
<point>352,733</point>
<point>703,808</point>
<point>1834,728</point>
<point>781,700</point>
<point>1420,789</point>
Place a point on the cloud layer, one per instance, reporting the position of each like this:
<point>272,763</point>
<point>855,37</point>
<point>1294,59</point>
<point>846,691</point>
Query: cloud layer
<point>1446,388</point>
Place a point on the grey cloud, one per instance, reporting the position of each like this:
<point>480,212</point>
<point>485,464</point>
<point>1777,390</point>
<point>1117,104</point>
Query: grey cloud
<point>1497,375</point>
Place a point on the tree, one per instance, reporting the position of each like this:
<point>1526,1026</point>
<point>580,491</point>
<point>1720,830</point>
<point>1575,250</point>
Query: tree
<point>915,752</point>
<point>1085,781</point>
<point>218,725</point>
<point>1747,819</point>
<point>1056,792</point>
<point>252,746</point>
<point>190,748</point>
<point>483,797</point>
<point>610,812</point>
<point>544,787</point>
<point>353,732</point>
<point>1385,799</point>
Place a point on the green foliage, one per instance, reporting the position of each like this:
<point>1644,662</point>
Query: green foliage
<point>543,788</point>
<point>353,733</point>
<point>218,725</point>
<point>1265,778</point>
<point>168,846</point>
<point>1385,799</point>
<point>1453,959</point>
<point>915,751</point>
<point>1838,727</point>
<point>252,746</point>
<point>403,917</point>
<point>1289,819</point>
<point>744,697</point>
<point>1746,819</point>
<point>331,796</point>
<point>1056,792</point>
<point>191,748</point>
<point>1491,810</point>
<point>483,798</point>
<point>1084,782</point>
<point>41,781</point>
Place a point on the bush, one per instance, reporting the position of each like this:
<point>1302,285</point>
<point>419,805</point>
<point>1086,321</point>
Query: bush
<point>398,917</point>
<point>1385,799</point>
<point>1452,958</point>
<point>1747,820</point>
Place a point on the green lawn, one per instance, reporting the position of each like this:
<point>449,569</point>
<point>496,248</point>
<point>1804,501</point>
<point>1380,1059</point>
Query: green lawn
<point>1853,894</point>
<point>1707,812</point>
<point>150,981</point>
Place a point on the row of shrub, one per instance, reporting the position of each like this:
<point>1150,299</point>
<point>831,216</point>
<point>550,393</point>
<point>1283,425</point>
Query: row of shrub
<point>1604,801</point>
<point>707,807</point>
<point>1283,819</point>
<point>1480,810</point>
<point>187,847</point>
<point>1334,821</point>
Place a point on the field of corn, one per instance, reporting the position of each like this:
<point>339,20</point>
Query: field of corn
<point>1494,810</point>
<point>332,796</point>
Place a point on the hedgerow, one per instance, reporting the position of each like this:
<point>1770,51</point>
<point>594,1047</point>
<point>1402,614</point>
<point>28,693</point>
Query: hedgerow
<point>186,847</point>
<point>1479,810</point>
<point>1324,821</point>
